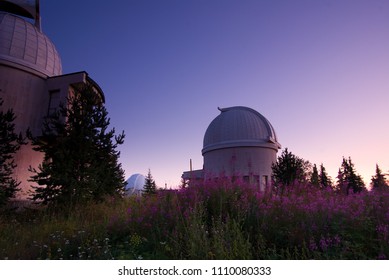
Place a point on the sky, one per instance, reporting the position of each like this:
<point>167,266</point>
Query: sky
<point>317,70</point>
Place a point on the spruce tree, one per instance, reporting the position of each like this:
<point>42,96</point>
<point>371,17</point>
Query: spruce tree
<point>341,184</point>
<point>10,143</point>
<point>348,179</point>
<point>378,181</point>
<point>150,186</point>
<point>80,153</point>
<point>325,180</point>
<point>315,181</point>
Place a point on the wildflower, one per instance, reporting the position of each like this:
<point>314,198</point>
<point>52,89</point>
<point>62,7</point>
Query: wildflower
<point>323,244</point>
<point>312,245</point>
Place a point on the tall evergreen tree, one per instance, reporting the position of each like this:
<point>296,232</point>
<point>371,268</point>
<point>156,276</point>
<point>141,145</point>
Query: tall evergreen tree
<point>378,181</point>
<point>10,143</point>
<point>348,179</point>
<point>288,170</point>
<point>315,181</point>
<point>80,153</point>
<point>325,180</point>
<point>341,184</point>
<point>150,186</point>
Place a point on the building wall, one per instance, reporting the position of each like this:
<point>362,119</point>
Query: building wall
<point>25,158</point>
<point>251,163</point>
<point>26,94</point>
<point>32,96</point>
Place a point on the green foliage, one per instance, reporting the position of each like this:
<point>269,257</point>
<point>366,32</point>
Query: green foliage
<point>325,180</point>
<point>10,143</point>
<point>81,157</point>
<point>150,187</point>
<point>289,170</point>
<point>315,180</point>
<point>378,181</point>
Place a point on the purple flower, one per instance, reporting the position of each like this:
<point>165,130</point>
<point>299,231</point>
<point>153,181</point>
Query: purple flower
<point>323,243</point>
<point>312,245</point>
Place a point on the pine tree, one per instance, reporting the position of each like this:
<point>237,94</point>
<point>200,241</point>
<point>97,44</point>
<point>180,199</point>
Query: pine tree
<point>315,177</point>
<point>288,170</point>
<point>150,186</point>
<point>341,184</point>
<point>10,143</point>
<point>348,179</point>
<point>325,180</point>
<point>378,181</point>
<point>80,153</point>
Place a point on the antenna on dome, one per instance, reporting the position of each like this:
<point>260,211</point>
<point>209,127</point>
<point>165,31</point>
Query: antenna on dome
<point>37,16</point>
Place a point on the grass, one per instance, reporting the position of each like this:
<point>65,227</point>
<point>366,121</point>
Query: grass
<point>221,220</point>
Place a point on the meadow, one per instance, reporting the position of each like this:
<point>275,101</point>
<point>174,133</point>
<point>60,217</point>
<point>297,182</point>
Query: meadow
<point>222,220</point>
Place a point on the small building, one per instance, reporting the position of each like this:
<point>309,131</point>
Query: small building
<point>239,142</point>
<point>31,80</point>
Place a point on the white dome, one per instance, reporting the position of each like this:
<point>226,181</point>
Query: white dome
<point>23,45</point>
<point>135,183</point>
<point>239,127</point>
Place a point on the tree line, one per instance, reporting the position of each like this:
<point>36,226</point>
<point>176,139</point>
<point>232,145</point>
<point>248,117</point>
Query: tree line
<point>290,170</point>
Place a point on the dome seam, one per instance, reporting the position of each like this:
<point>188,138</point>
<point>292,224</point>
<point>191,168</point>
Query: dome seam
<point>25,40</point>
<point>47,55</point>
<point>37,45</point>
<point>13,36</point>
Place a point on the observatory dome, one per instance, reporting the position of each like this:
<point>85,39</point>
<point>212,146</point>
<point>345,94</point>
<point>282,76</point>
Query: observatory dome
<point>239,127</point>
<point>23,46</point>
<point>135,183</point>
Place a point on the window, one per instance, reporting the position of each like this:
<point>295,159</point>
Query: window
<point>54,100</point>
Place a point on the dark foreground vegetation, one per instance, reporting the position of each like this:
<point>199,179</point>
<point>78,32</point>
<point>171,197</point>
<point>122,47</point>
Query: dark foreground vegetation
<point>221,220</point>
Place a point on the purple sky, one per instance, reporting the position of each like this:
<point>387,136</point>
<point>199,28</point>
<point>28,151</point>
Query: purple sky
<point>317,70</point>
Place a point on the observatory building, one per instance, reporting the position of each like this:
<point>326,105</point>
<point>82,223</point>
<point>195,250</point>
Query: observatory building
<point>31,80</point>
<point>239,142</point>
